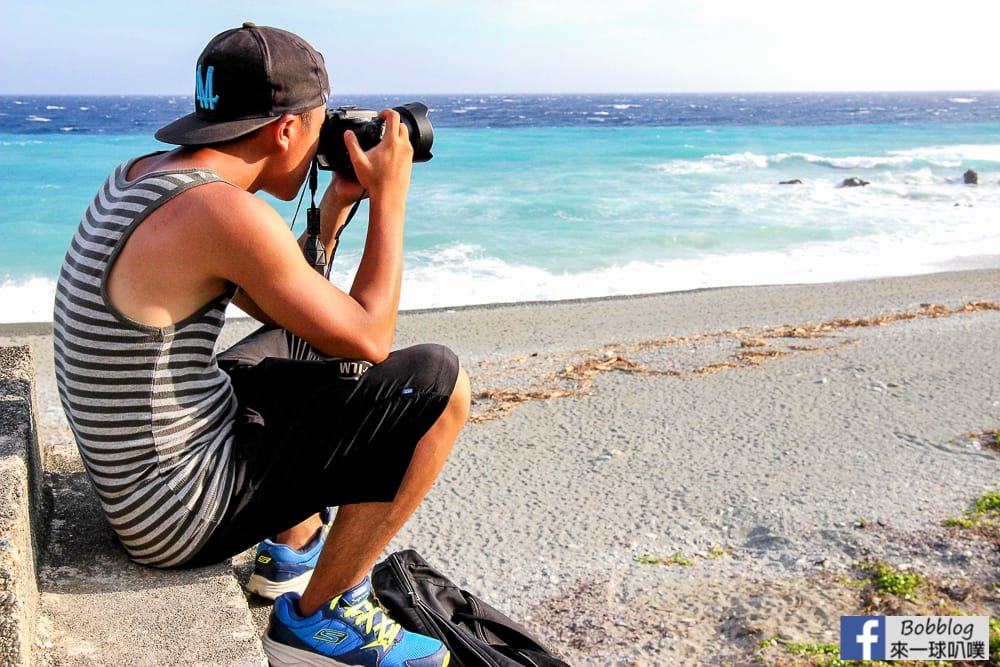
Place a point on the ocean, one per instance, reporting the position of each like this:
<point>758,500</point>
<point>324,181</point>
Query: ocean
<point>536,197</point>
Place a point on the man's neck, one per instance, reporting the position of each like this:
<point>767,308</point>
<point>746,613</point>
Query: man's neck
<point>233,162</point>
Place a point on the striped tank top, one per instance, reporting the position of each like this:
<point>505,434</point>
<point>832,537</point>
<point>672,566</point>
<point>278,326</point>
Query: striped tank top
<point>150,409</point>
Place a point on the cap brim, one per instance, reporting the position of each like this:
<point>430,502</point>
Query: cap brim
<point>191,130</point>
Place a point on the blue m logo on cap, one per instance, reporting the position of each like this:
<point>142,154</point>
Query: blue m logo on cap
<point>203,88</point>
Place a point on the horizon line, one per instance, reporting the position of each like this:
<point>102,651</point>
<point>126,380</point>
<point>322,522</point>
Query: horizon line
<point>578,93</point>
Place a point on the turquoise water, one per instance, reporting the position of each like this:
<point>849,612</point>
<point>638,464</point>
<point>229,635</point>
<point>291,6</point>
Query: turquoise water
<point>549,212</point>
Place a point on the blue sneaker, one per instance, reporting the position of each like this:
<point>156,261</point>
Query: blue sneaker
<point>350,630</point>
<point>279,569</point>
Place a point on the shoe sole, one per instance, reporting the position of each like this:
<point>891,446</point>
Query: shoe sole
<point>273,589</point>
<point>283,655</point>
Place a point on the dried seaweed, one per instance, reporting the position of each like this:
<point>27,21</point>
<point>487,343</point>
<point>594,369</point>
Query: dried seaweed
<point>572,374</point>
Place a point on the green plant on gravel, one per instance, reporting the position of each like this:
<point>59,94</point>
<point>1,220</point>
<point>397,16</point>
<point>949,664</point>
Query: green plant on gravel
<point>825,655</point>
<point>680,559</point>
<point>984,516</point>
<point>990,502</point>
<point>675,559</point>
<point>810,650</point>
<point>851,582</point>
<point>716,552</point>
<point>886,579</point>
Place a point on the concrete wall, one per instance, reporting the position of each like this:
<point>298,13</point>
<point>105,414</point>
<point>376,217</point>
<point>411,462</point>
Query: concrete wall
<point>21,503</point>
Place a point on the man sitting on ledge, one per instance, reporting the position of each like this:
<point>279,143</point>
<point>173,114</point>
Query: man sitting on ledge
<point>196,457</point>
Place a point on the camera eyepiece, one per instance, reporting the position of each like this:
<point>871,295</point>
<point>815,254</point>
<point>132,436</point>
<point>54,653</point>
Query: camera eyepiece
<point>368,127</point>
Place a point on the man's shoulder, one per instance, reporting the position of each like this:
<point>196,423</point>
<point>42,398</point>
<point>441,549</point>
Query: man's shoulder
<point>219,198</point>
<point>221,213</point>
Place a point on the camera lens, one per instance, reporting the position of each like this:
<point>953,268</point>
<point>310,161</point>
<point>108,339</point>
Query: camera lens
<point>414,116</point>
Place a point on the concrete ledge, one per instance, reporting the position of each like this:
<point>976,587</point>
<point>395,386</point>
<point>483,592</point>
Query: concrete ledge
<point>100,609</point>
<point>76,600</point>
<point>22,509</point>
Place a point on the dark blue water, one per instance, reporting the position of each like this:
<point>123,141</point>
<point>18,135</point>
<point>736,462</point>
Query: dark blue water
<point>144,114</point>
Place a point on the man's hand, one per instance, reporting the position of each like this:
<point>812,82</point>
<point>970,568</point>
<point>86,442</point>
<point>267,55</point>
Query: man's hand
<point>340,196</point>
<point>342,191</point>
<point>385,168</point>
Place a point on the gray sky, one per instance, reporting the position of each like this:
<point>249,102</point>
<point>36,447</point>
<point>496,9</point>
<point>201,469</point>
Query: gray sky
<point>519,46</point>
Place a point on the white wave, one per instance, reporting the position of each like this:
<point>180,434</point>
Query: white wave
<point>861,161</point>
<point>462,274</point>
<point>741,160</point>
<point>953,154</point>
<point>38,119</point>
<point>949,157</point>
<point>715,163</point>
<point>682,167</point>
<point>846,162</point>
<point>962,100</point>
<point>481,280</point>
<point>28,300</point>
<point>54,107</point>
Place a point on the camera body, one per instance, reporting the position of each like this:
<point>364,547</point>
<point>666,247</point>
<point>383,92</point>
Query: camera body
<point>368,127</point>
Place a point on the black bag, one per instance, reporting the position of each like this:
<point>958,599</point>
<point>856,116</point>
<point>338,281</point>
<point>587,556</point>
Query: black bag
<point>427,602</point>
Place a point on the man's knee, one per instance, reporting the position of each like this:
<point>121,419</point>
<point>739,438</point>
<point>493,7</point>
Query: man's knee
<point>461,396</point>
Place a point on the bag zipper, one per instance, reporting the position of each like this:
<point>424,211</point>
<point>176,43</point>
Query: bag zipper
<point>401,576</point>
<point>428,615</point>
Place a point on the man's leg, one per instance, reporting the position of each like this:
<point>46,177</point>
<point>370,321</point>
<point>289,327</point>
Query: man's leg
<point>373,447</point>
<point>302,534</point>
<point>313,434</point>
<point>360,532</point>
<point>274,342</point>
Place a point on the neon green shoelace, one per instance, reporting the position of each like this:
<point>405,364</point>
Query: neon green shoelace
<point>374,619</point>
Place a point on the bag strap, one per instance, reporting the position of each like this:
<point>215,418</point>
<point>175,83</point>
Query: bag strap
<point>516,644</point>
<point>508,633</point>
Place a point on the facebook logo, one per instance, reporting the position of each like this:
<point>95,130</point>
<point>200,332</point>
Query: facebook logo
<point>862,637</point>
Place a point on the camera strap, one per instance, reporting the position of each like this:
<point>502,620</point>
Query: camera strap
<point>314,249</point>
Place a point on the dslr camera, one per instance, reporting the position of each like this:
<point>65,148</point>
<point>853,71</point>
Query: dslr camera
<point>368,127</point>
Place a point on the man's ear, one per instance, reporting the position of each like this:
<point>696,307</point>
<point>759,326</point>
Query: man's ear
<point>283,129</point>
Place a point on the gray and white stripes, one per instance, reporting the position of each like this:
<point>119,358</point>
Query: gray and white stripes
<point>150,408</point>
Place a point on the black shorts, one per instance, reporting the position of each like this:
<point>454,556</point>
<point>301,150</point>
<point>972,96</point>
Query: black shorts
<point>315,432</point>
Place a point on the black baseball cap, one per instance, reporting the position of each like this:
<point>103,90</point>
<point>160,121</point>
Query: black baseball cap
<point>246,78</point>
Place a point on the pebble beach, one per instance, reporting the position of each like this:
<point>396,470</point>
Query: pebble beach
<point>698,477</point>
